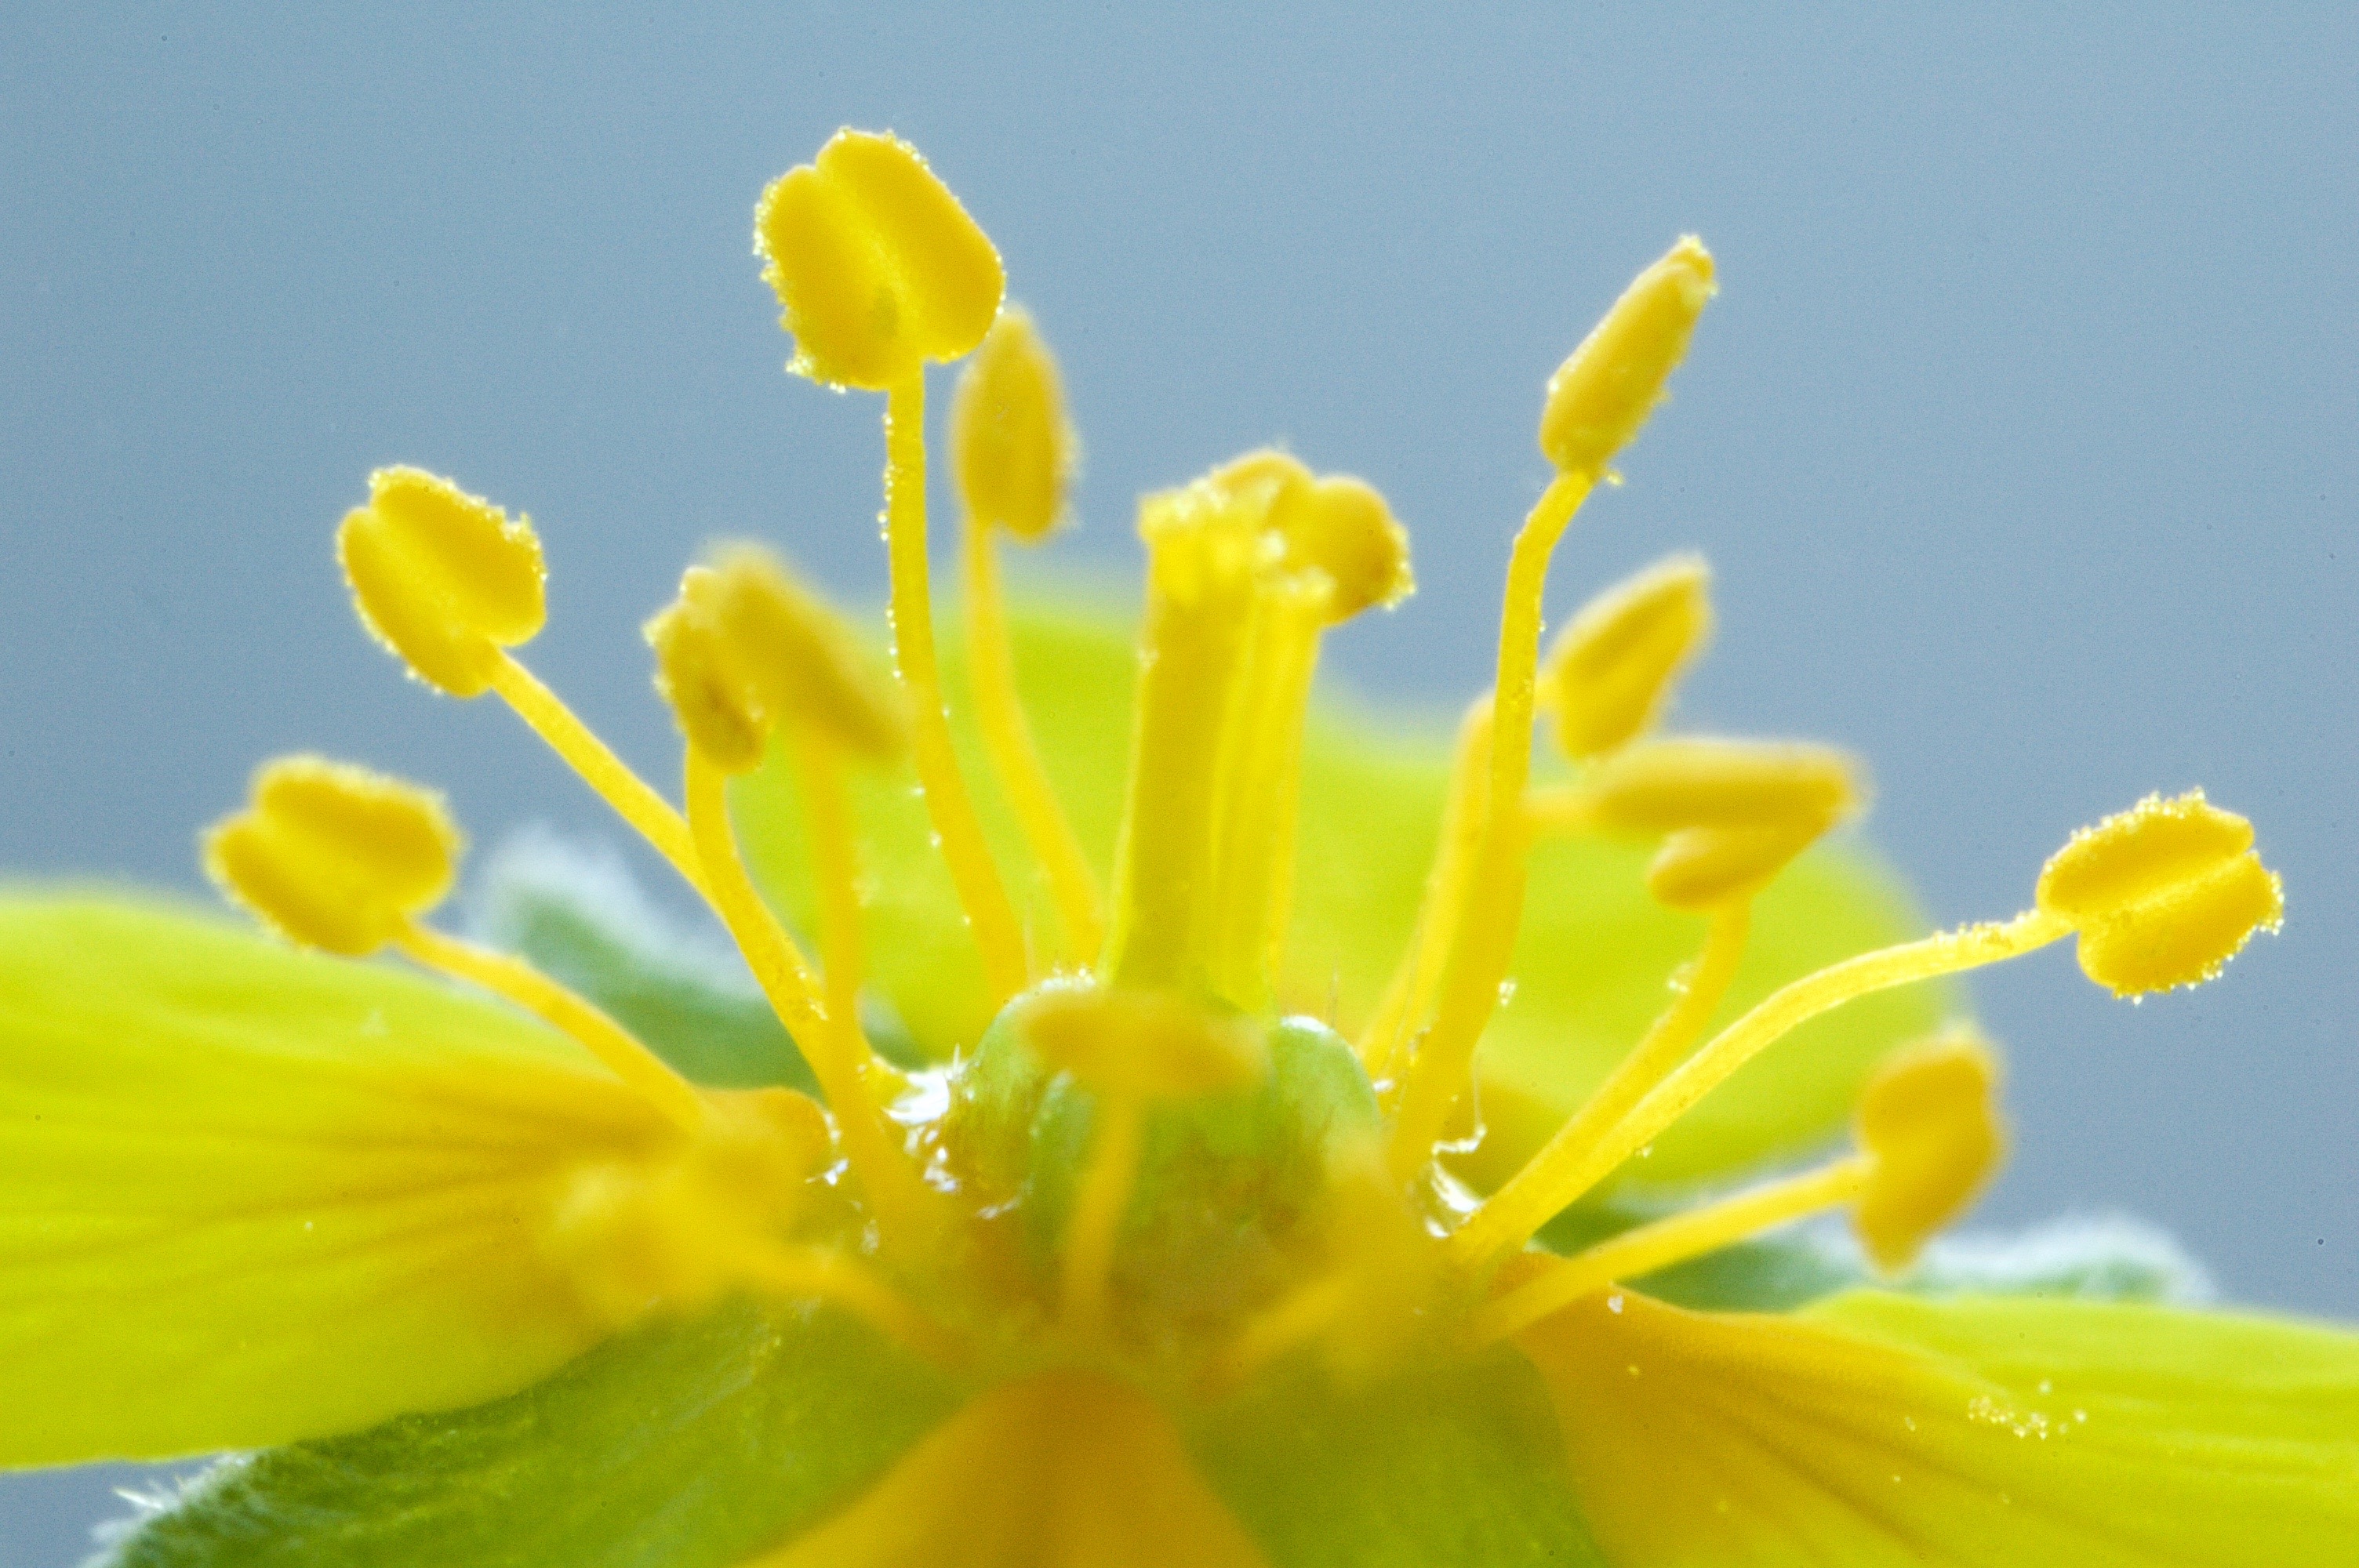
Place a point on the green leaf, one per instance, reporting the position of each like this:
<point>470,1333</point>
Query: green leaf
<point>681,1446</point>
<point>1592,963</point>
<point>1460,1464</point>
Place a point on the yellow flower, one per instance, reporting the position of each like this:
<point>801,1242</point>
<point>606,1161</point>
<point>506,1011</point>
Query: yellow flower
<point>1160,1175</point>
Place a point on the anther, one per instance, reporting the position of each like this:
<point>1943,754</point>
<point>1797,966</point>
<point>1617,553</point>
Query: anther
<point>1928,1120</point>
<point>1012,448</point>
<point>443,579</point>
<point>877,266</point>
<point>2162,894</point>
<point>1929,1137</point>
<point>1611,672</point>
<point>334,856</point>
<point>745,648</point>
<point>1013,454</point>
<point>1601,395</point>
<point>1665,786</point>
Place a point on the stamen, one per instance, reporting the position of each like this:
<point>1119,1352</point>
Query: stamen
<point>1636,1253</point>
<point>880,270</point>
<point>1014,452</point>
<point>878,267</point>
<point>2163,893</point>
<point>1611,672</point>
<point>839,1054</point>
<point>448,583</point>
<point>1483,946</point>
<point>1596,402</point>
<point>520,983</point>
<point>1098,1207</point>
<point>343,860</point>
<point>1784,1010</point>
<point>980,894</point>
<point>1929,1135</point>
<point>334,856</point>
<point>1380,1276</point>
<point>1536,1194</point>
<point>631,797</point>
<point>1410,992</point>
<point>835,866</point>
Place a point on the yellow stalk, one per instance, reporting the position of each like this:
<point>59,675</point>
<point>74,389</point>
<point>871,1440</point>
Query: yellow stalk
<point>1536,1193</point>
<point>631,796</point>
<point>1637,1253</point>
<point>1483,944</point>
<point>980,894</point>
<point>1015,760</point>
<point>520,983</point>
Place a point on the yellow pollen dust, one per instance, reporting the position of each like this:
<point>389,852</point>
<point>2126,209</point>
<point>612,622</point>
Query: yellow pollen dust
<point>1164,986</point>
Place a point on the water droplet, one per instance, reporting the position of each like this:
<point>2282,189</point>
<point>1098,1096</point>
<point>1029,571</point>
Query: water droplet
<point>1506,992</point>
<point>1909,1421</point>
<point>1647,1152</point>
<point>2080,1415</point>
<point>1614,1305</point>
<point>1633,1369</point>
<point>2047,1386</point>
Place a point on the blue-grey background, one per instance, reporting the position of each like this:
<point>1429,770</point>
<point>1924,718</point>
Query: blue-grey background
<point>2022,435</point>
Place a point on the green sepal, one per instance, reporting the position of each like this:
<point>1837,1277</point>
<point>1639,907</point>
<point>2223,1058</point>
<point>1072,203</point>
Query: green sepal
<point>1461,1464</point>
<point>690,1445</point>
<point>1593,961</point>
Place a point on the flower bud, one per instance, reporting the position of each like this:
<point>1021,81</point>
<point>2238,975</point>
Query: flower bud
<point>1154,1044</point>
<point>334,856</point>
<point>442,578</point>
<point>878,266</point>
<point>1601,395</point>
<point>1608,677</point>
<point>1013,449</point>
<point>1930,1120</point>
<point>2162,894</point>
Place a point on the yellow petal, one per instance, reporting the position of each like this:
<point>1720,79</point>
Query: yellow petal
<point>1879,1431</point>
<point>249,1195</point>
<point>1064,1470</point>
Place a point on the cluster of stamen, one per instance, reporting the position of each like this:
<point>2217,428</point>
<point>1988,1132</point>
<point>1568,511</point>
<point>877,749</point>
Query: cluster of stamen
<point>1163,989</point>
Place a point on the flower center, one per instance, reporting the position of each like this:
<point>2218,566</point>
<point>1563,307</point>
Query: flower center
<point>1142,1166</point>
